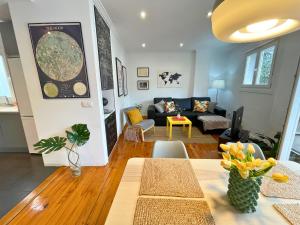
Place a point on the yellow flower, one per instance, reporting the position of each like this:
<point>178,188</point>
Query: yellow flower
<point>239,165</point>
<point>272,161</point>
<point>224,147</point>
<point>233,149</point>
<point>240,155</point>
<point>257,162</point>
<point>244,173</point>
<point>251,165</point>
<point>265,165</point>
<point>240,145</point>
<point>226,155</point>
<point>226,164</point>
<point>251,149</point>
<point>278,177</point>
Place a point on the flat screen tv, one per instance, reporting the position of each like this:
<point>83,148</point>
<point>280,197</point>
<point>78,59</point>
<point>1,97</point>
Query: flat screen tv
<point>236,122</point>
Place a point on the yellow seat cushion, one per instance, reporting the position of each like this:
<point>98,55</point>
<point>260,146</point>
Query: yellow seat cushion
<point>134,116</point>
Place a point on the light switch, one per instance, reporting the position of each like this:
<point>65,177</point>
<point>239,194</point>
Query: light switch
<point>86,104</point>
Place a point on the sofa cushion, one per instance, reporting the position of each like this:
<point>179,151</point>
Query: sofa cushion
<point>200,106</point>
<point>160,106</point>
<point>170,107</point>
<point>164,114</point>
<point>184,103</point>
<point>199,99</point>
<point>165,99</point>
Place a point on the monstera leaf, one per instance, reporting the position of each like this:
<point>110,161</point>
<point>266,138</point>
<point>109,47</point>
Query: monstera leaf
<point>51,144</point>
<point>79,135</point>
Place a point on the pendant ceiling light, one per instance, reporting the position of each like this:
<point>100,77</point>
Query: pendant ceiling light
<point>254,20</point>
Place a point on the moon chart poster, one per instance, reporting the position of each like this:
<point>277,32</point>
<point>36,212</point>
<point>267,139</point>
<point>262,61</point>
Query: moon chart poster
<point>60,60</point>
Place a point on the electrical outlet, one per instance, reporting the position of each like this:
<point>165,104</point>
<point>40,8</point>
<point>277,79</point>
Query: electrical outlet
<point>86,104</point>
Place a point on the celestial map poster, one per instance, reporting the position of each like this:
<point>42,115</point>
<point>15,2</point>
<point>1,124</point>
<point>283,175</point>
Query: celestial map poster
<point>59,56</point>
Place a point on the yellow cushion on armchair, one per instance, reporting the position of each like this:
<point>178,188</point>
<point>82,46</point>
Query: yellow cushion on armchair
<point>135,116</point>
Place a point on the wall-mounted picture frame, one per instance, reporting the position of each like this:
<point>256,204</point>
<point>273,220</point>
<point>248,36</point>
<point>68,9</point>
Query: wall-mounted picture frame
<point>119,77</point>
<point>167,79</point>
<point>143,84</point>
<point>125,89</point>
<point>60,59</point>
<point>143,71</point>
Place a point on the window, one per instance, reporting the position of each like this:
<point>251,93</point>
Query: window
<point>259,66</point>
<point>6,89</point>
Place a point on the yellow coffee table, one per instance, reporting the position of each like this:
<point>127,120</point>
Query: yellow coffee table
<point>171,121</point>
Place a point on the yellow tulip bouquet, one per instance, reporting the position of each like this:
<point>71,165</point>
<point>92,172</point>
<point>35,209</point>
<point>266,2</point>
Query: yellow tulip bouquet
<point>246,174</point>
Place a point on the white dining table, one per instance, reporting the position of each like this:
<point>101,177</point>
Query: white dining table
<point>213,180</point>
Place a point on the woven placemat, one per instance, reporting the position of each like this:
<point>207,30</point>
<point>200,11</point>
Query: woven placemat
<point>163,211</point>
<point>290,211</point>
<point>290,190</point>
<point>169,177</point>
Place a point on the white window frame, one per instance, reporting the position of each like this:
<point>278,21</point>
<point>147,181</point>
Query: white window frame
<point>258,51</point>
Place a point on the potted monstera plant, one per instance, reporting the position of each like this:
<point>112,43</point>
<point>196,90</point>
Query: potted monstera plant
<point>77,136</point>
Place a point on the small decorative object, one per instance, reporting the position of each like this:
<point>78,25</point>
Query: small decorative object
<point>178,110</point>
<point>139,106</point>
<point>59,55</point>
<point>105,101</point>
<point>119,77</point>
<point>124,71</point>
<point>143,84</point>
<point>246,175</point>
<point>143,71</point>
<point>78,136</point>
<point>169,80</point>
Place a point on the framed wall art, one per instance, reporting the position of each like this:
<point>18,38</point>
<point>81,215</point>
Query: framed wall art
<point>60,60</point>
<point>169,80</point>
<point>143,71</point>
<point>124,71</point>
<point>143,84</point>
<point>119,77</point>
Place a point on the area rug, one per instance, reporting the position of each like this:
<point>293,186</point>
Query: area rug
<point>179,134</point>
<point>169,177</point>
<point>163,211</point>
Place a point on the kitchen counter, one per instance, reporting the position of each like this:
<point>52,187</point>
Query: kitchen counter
<point>8,109</point>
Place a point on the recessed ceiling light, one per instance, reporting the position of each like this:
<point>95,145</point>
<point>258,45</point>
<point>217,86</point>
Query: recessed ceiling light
<point>181,45</point>
<point>144,45</point>
<point>209,14</point>
<point>143,14</point>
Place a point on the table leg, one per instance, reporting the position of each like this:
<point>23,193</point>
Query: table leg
<point>170,134</point>
<point>190,130</point>
<point>183,127</point>
<point>167,127</point>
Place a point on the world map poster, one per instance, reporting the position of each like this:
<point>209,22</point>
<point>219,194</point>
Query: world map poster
<point>60,59</point>
<point>169,80</point>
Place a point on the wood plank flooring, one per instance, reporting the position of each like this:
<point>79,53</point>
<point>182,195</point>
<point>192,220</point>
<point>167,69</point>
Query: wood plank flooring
<point>62,199</point>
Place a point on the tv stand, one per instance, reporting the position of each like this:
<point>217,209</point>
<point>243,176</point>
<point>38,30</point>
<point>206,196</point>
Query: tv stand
<point>225,137</point>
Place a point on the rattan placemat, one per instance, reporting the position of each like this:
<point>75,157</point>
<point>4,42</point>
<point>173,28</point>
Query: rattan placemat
<point>290,211</point>
<point>288,190</point>
<point>169,177</point>
<point>166,211</point>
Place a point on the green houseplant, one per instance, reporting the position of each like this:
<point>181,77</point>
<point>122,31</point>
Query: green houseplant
<point>77,136</point>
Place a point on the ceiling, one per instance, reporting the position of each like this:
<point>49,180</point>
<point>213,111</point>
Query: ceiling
<point>168,23</point>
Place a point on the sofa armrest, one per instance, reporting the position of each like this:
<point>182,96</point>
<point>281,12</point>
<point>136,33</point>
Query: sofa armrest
<point>220,111</point>
<point>151,112</point>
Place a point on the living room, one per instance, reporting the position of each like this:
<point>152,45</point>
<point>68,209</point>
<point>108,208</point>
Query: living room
<point>113,85</point>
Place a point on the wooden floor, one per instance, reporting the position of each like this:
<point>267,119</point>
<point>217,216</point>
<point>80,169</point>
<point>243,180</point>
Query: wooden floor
<point>62,199</point>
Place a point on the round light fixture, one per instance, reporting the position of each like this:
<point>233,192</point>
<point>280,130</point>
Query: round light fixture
<point>254,20</point>
<point>181,45</point>
<point>143,14</point>
<point>144,45</point>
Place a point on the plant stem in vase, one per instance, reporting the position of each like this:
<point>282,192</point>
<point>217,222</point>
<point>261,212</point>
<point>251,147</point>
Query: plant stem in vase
<point>74,161</point>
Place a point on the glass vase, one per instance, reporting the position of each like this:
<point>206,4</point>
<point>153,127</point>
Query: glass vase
<point>243,193</point>
<point>74,161</point>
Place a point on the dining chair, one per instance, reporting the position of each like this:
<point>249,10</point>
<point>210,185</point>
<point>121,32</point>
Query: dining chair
<point>258,152</point>
<point>169,149</point>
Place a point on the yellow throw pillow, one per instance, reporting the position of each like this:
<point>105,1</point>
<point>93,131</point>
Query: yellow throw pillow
<point>134,116</point>
<point>200,106</point>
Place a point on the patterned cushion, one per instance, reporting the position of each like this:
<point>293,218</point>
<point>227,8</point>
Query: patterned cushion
<point>170,107</point>
<point>160,106</point>
<point>201,106</point>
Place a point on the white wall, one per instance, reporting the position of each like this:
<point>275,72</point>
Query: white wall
<point>181,62</point>
<point>52,117</point>
<point>265,110</point>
